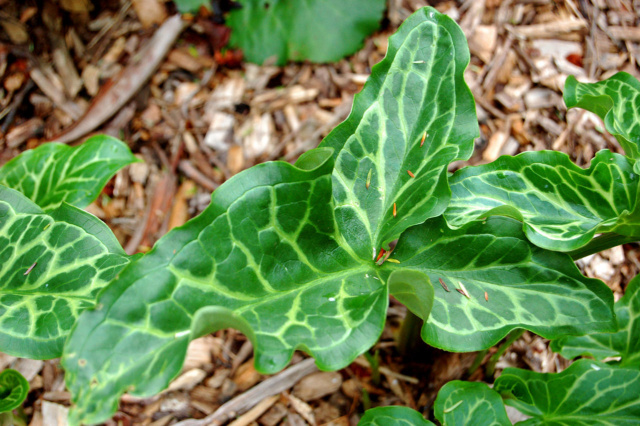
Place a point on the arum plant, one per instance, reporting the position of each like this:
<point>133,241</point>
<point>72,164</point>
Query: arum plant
<point>305,256</point>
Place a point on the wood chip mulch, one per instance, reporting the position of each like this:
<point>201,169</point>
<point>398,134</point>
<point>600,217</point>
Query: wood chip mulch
<point>204,115</point>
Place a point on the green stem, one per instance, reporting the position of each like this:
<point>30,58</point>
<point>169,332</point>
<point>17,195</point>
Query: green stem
<point>511,337</point>
<point>476,362</point>
<point>409,333</point>
<point>374,362</point>
<point>598,244</point>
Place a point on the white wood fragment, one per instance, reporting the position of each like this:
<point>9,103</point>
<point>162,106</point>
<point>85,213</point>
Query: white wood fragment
<point>260,135</point>
<point>219,135</point>
<point>28,367</point>
<point>188,380</point>
<point>225,96</point>
<point>54,414</point>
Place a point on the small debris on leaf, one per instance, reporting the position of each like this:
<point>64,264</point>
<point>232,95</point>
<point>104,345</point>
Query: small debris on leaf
<point>31,268</point>
<point>443,285</point>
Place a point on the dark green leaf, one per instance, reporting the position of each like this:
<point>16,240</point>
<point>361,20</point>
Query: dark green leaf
<point>560,204</point>
<point>617,101</point>
<point>317,30</point>
<point>53,172</point>
<point>14,389</point>
<point>264,258</point>
<point>625,342</point>
<point>393,416</point>
<point>51,268</point>
<point>470,403</point>
<point>418,89</point>
<point>526,286</point>
<point>586,393</point>
<point>268,257</point>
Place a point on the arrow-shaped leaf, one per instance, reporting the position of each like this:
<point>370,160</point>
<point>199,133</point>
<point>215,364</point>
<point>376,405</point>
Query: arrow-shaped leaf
<point>393,416</point>
<point>586,393</point>
<point>51,268</point>
<point>470,403</point>
<point>413,117</point>
<point>264,257</point>
<point>496,280</point>
<point>625,342</point>
<point>616,101</point>
<point>273,255</point>
<point>14,389</point>
<point>53,172</point>
<point>561,205</point>
<point>320,31</point>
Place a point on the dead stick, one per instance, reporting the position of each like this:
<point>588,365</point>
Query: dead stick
<point>244,402</point>
<point>128,82</point>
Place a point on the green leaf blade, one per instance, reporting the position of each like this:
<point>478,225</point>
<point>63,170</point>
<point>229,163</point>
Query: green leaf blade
<point>561,205</point>
<point>279,274</point>
<point>526,287</point>
<point>393,416</point>
<point>586,393</point>
<point>414,290</point>
<point>54,173</point>
<point>615,101</point>
<point>320,31</point>
<point>417,90</point>
<point>50,270</point>
<point>623,343</point>
<point>14,389</point>
<point>466,403</point>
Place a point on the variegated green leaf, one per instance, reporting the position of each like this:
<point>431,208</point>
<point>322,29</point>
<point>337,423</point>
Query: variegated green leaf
<point>53,172</point>
<point>273,255</point>
<point>470,403</point>
<point>318,31</point>
<point>264,257</point>
<point>14,389</point>
<point>586,393</point>
<point>417,90</point>
<point>561,205</point>
<point>526,286</point>
<point>617,101</point>
<point>624,343</point>
<point>393,416</point>
<point>51,268</point>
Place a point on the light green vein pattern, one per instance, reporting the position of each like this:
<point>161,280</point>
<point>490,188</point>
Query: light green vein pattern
<point>277,274</point>
<point>617,101</point>
<point>526,286</point>
<point>561,205</point>
<point>470,403</point>
<point>625,342</point>
<point>66,265</point>
<point>418,89</point>
<point>587,393</point>
<point>393,416</point>
<point>53,172</point>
